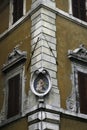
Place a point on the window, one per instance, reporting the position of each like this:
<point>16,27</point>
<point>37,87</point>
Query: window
<point>79,9</point>
<point>14,86</point>
<point>17,10</point>
<point>14,83</point>
<point>77,101</point>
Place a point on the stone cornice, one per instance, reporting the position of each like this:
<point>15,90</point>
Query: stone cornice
<point>79,54</point>
<point>15,57</point>
<point>34,9</point>
<point>62,111</point>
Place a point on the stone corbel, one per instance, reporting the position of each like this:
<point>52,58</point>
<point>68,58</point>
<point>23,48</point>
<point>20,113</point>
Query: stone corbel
<point>71,102</point>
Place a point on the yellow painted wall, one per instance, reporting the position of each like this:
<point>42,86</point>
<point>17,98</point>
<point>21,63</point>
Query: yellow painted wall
<point>28,5</point>
<point>4,19</point>
<point>73,124</point>
<point>69,36</point>
<point>20,34</point>
<point>62,4</point>
<point>17,125</point>
<point>4,16</point>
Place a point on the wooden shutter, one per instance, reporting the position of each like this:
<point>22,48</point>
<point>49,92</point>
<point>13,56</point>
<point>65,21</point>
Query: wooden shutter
<point>79,9</point>
<point>75,8</point>
<point>82,83</point>
<point>14,11</point>
<point>20,8</point>
<point>83,10</point>
<point>17,9</point>
<point>13,96</point>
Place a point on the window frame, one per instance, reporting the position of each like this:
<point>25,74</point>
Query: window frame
<point>11,12</point>
<point>15,64</point>
<point>78,58</point>
<point>75,69</point>
<point>12,73</point>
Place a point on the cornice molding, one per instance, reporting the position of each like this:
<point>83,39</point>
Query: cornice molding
<point>15,57</point>
<point>79,54</point>
<point>42,4</point>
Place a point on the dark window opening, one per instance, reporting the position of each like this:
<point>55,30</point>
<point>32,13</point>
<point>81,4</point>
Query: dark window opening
<point>17,10</point>
<point>82,83</point>
<point>13,96</point>
<point>79,9</point>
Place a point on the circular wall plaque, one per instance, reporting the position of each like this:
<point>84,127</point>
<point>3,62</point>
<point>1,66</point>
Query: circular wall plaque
<point>40,82</point>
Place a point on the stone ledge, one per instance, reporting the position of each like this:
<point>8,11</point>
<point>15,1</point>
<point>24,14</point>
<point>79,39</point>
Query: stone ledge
<point>45,116</point>
<point>44,126</point>
<point>56,10</point>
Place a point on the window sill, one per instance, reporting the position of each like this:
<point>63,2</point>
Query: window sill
<point>60,111</point>
<point>15,25</point>
<point>71,18</point>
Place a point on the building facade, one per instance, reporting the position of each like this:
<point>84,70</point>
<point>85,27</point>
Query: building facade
<point>43,65</point>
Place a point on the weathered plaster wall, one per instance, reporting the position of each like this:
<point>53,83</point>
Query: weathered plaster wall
<point>21,36</point>
<point>4,19</point>
<point>72,124</point>
<point>69,36</point>
<point>16,125</point>
<point>28,5</point>
<point>62,4</point>
<point>4,15</point>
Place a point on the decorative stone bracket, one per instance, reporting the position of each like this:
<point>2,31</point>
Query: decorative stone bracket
<point>78,55</point>
<point>15,57</point>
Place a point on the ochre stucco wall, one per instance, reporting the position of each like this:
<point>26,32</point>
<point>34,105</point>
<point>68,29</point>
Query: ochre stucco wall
<point>4,19</point>
<point>17,125</point>
<point>20,35</point>
<point>73,124</point>
<point>4,15</point>
<point>69,36</point>
<point>62,4</point>
<point>28,5</point>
